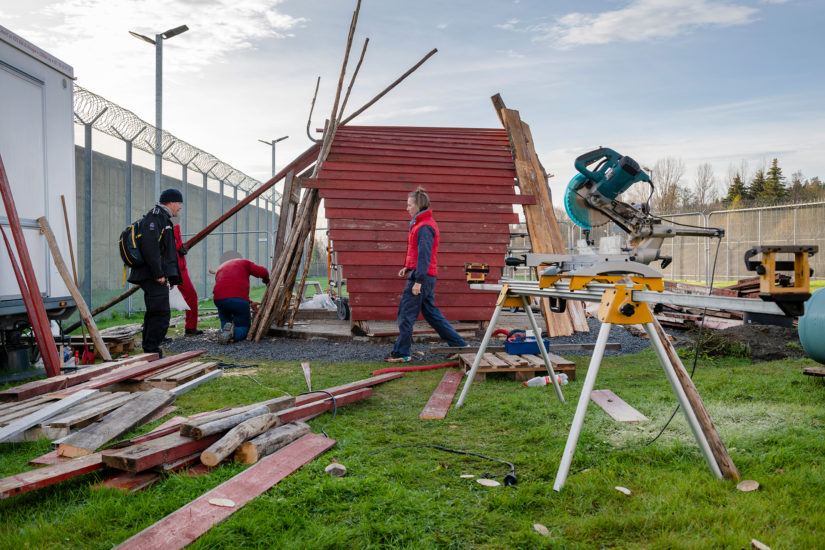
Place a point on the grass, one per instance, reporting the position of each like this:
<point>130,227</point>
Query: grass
<point>770,417</point>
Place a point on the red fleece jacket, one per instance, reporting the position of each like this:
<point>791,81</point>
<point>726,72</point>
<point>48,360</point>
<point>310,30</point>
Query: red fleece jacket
<point>232,278</point>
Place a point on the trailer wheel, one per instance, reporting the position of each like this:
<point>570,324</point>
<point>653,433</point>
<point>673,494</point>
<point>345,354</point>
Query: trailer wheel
<point>342,306</point>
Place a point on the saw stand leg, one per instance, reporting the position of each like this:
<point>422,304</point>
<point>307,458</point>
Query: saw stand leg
<point>486,340</point>
<point>590,381</point>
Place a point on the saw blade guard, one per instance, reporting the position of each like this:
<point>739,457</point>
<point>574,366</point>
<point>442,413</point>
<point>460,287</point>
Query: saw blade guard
<point>574,202</point>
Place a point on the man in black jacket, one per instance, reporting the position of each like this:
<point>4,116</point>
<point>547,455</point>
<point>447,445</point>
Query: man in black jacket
<point>159,269</point>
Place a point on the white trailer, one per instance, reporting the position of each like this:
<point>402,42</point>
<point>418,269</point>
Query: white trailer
<point>37,148</point>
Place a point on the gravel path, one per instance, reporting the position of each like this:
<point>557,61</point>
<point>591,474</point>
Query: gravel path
<point>362,349</point>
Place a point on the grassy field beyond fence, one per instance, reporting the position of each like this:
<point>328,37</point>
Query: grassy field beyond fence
<point>769,415</point>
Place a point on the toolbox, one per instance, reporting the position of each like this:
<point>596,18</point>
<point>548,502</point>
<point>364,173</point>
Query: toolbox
<point>525,346</point>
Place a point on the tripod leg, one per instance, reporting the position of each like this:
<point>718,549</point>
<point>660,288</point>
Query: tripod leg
<point>486,340</point>
<point>690,415</point>
<point>581,408</point>
<point>543,351</point>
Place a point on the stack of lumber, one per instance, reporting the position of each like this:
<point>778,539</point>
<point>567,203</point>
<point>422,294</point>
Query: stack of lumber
<point>166,379</point>
<point>116,344</point>
<point>517,367</point>
<point>66,405</point>
<point>246,434</point>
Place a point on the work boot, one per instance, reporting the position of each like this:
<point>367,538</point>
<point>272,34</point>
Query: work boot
<point>396,357</point>
<point>193,332</point>
<point>226,333</point>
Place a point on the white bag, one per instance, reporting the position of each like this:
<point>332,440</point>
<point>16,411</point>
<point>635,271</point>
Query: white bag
<point>176,300</point>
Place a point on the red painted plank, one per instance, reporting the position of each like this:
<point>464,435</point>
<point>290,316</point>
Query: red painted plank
<point>451,313</point>
<point>390,272</point>
<point>341,235</point>
<point>488,150</point>
<point>129,482</point>
<point>49,475</point>
<point>149,454</point>
<point>387,153</point>
<point>399,206</point>
<point>481,217</point>
<point>505,195</point>
<point>317,407</point>
<point>393,169</point>
<point>441,399</point>
<point>346,388</point>
<point>419,178</point>
<point>48,458</point>
<point>397,258</point>
<point>401,246</point>
<point>443,299</point>
<point>185,525</point>
<point>453,160</point>
<point>457,189</point>
<point>445,227</point>
<point>396,285</point>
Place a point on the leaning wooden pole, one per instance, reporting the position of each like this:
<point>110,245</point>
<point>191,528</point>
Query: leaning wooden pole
<point>37,311</point>
<point>720,453</point>
<point>82,308</point>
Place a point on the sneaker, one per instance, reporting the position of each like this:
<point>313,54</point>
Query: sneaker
<point>452,357</point>
<point>226,333</point>
<point>396,357</point>
<point>193,332</point>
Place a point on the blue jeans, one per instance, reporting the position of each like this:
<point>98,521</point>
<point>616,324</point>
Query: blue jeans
<point>235,310</point>
<point>408,310</point>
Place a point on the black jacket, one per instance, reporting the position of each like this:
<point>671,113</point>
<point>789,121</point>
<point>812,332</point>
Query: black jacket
<point>157,245</point>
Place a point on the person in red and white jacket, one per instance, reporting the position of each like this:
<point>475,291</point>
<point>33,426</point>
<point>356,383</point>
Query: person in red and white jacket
<point>231,295</point>
<point>420,268</point>
<point>187,289</point>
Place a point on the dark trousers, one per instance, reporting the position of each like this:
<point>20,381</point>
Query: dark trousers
<point>190,295</point>
<point>156,320</point>
<point>235,310</point>
<point>408,310</point>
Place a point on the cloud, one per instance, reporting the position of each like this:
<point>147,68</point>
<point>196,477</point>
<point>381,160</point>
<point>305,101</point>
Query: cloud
<point>639,21</point>
<point>441,26</point>
<point>217,27</point>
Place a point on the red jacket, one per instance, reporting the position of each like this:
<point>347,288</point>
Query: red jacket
<point>232,278</point>
<point>178,244</point>
<point>411,261</point>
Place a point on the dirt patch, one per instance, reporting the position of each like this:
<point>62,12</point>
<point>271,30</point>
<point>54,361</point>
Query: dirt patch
<point>759,342</point>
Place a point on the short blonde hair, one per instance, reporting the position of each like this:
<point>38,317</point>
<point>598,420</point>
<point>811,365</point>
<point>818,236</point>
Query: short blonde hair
<point>422,200</point>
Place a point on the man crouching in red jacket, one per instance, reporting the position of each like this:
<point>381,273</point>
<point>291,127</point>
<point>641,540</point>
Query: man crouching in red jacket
<point>231,295</point>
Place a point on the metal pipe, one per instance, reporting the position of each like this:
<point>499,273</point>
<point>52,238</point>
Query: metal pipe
<point>477,361</point>
<point>537,331</point>
<point>158,112</point>
<point>581,408</point>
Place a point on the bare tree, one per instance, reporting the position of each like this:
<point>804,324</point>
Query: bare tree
<point>667,175</point>
<point>706,192</point>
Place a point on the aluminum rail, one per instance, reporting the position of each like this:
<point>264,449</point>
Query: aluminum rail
<point>594,291</point>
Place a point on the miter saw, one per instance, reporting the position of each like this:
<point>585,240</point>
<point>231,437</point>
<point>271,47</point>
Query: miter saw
<point>591,201</point>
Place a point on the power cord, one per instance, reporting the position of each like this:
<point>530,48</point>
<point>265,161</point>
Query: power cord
<point>334,407</point>
<point>510,478</point>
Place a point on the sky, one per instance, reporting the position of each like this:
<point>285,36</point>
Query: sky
<point>704,81</point>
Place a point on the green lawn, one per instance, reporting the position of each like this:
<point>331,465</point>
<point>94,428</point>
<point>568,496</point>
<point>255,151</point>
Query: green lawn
<point>769,415</point>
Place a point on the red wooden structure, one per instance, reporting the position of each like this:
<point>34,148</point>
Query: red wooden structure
<point>469,175</point>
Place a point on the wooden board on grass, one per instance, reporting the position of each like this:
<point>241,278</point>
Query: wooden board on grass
<point>49,475</point>
<point>20,425</point>
<point>441,399</point>
<point>134,413</point>
<point>185,525</point>
<point>129,482</point>
<point>166,449</point>
<point>616,407</point>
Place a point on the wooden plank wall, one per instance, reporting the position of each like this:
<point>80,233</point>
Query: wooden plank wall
<point>469,175</point>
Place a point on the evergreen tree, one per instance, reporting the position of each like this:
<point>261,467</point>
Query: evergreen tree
<point>774,189</point>
<point>757,187</point>
<point>737,190</point>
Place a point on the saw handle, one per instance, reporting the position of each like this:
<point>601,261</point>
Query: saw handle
<point>602,153</point>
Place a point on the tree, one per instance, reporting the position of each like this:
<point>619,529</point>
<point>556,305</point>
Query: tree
<point>774,189</point>
<point>667,176</point>
<point>705,193</point>
<point>737,190</point>
<point>797,190</point>
<point>757,186</point>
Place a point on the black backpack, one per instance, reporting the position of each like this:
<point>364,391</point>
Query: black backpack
<point>128,246</point>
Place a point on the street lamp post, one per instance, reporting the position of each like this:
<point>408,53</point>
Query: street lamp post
<point>272,144</point>
<point>158,43</point>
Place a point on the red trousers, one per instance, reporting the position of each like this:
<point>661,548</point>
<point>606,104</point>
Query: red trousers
<point>187,289</point>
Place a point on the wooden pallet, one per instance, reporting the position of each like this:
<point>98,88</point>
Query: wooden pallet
<point>168,379</point>
<point>517,367</point>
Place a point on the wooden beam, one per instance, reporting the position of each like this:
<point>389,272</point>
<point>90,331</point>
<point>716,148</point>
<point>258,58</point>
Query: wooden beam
<point>82,308</point>
<point>441,399</point>
<point>267,443</point>
<point>149,454</point>
<point>116,423</point>
<point>192,384</point>
<point>311,410</point>
<point>185,525</point>
<point>49,475</point>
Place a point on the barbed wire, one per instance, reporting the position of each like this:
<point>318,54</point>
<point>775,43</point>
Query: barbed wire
<point>112,119</point>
